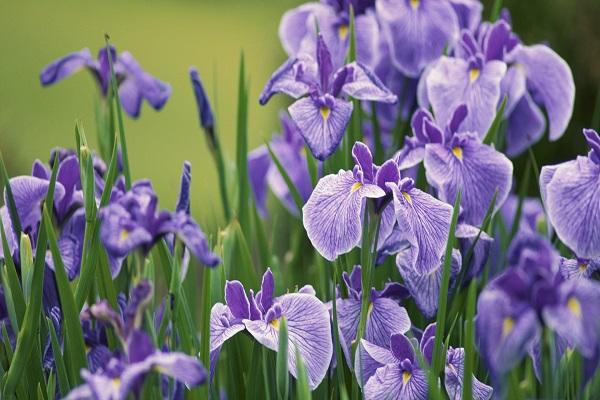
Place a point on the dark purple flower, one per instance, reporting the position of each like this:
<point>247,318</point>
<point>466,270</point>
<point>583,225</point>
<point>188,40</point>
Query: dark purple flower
<point>573,206</point>
<point>385,316</point>
<point>135,84</point>
<point>323,112</point>
<point>289,149</point>
<point>417,31</point>
<point>132,221</point>
<point>307,319</point>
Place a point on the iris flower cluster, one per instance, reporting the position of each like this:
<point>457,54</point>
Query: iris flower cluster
<point>411,250</point>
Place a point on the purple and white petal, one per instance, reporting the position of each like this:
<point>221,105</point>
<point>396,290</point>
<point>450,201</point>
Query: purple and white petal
<point>454,373</point>
<point>332,216</point>
<point>66,66</point>
<point>385,317</point>
<point>360,83</point>
<point>291,78</point>
<point>475,169</point>
<point>526,126</point>
<point>322,123</point>
<point>391,382</point>
<point>369,358</point>
<point>417,31</point>
<point>452,82</point>
<point>550,81</point>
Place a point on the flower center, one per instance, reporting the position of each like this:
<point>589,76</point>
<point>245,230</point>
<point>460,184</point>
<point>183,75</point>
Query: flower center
<point>407,197</point>
<point>124,234</point>
<point>574,306</point>
<point>325,111</point>
<point>582,267</point>
<point>355,187</point>
<point>415,4</point>
<point>116,382</point>
<point>458,152</point>
<point>507,326</point>
<point>405,377</point>
<point>474,74</point>
<point>343,31</point>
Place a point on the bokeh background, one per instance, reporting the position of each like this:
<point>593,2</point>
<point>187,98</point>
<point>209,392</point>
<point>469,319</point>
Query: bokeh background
<point>167,37</point>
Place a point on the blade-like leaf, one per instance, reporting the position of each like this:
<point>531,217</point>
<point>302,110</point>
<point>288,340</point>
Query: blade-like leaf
<point>492,134</point>
<point>469,344</point>
<point>12,206</point>
<point>242,151</point>
<point>59,362</point>
<point>281,368</point>
<point>302,388</point>
<point>288,181</point>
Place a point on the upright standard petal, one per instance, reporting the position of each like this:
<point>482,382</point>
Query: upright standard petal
<point>309,332</point>
<point>550,80</point>
<point>475,169</point>
<point>29,193</point>
<point>424,222</point>
<point>322,122</point>
<point>417,31</point>
<point>573,206</point>
<point>332,216</point>
<point>66,66</point>
<point>452,82</point>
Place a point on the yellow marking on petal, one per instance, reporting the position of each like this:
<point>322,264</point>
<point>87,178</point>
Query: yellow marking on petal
<point>415,4</point>
<point>507,326</point>
<point>343,31</point>
<point>124,234</point>
<point>574,306</point>
<point>116,382</point>
<point>355,187</point>
<point>582,267</point>
<point>405,377</point>
<point>275,323</point>
<point>474,74</point>
<point>458,152</point>
<point>370,310</point>
<point>407,197</point>
<point>325,111</point>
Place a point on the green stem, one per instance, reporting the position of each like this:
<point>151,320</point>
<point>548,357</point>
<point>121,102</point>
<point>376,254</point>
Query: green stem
<point>338,350</point>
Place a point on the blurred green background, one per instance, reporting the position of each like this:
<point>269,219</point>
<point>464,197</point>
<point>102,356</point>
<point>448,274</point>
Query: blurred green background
<point>169,36</point>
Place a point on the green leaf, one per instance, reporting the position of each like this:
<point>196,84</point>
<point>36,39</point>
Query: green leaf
<point>302,388</point>
<point>50,387</point>
<point>439,354</point>
<point>242,151</point>
<point>28,334</point>
<point>495,13</point>
<point>492,134</point>
<point>115,97</point>
<point>469,343</point>
<point>288,181</point>
<point>11,282</point>
<point>59,362</point>
<point>313,168</point>
<point>26,254</point>
<point>74,344</point>
<point>281,368</point>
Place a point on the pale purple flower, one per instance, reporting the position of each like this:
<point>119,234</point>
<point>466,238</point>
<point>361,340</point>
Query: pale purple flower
<point>135,84</point>
<point>569,192</point>
<point>323,112</point>
<point>263,173</point>
<point>307,319</point>
<point>578,268</point>
<point>417,31</point>
<point>299,26</point>
<point>385,316</point>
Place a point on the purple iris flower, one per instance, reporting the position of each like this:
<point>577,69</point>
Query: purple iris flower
<point>578,268</point>
<point>532,293</point>
<point>332,216</point>
<point>323,112</point>
<point>456,160</point>
<point>131,221</point>
<point>417,31</point>
<point>124,374</point>
<point>384,318</point>
<point>135,84</point>
<point>533,218</point>
<point>289,148</point>
<point>298,29</point>
<point>492,63</point>
<point>393,371</point>
<point>307,319</point>
<point>573,206</point>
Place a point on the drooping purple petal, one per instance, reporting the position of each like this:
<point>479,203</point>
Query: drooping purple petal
<point>360,83</point>
<point>526,126</point>
<point>475,169</point>
<point>181,367</point>
<point>454,374</point>
<point>417,31</point>
<point>309,332</point>
<point>369,358</point>
<point>291,78</point>
<point>391,382</point>
<point>573,206</point>
<point>222,326</point>
<point>66,66</point>
<point>424,222</point>
<point>332,216</point>
<point>322,123</point>
<point>452,82</point>
<point>194,239</point>
<point>259,163</point>
<point>550,80</point>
